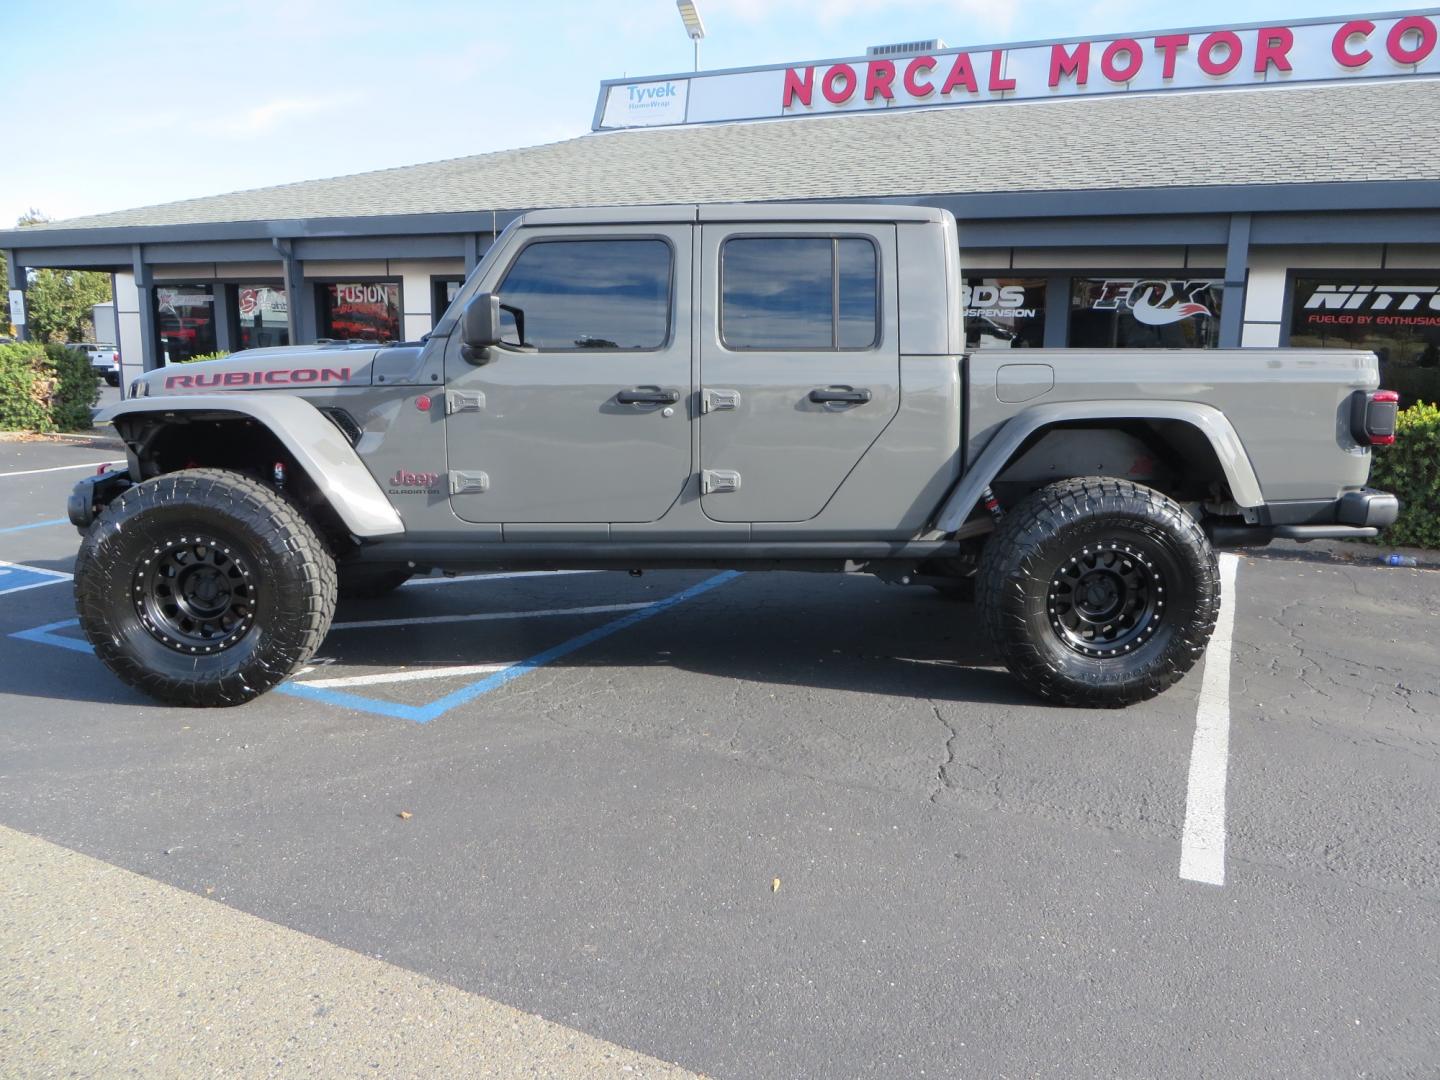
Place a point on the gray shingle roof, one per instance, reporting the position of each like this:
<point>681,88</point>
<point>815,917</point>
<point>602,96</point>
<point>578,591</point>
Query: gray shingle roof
<point>1312,134</point>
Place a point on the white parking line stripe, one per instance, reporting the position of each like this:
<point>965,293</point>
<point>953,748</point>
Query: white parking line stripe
<point>495,577</point>
<point>425,620</point>
<point>414,675</point>
<point>59,468</point>
<point>1202,844</point>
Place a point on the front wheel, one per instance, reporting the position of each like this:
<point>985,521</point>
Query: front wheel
<point>1099,592</point>
<point>203,587</point>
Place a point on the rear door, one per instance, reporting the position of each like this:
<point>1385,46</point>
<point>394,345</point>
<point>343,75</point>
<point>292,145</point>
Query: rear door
<point>584,416</point>
<point>799,362</point>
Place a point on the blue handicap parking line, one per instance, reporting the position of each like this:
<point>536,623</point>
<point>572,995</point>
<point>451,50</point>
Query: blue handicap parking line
<point>423,714</point>
<point>15,577</point>
<point>35,525</point>
<point>45,635</point>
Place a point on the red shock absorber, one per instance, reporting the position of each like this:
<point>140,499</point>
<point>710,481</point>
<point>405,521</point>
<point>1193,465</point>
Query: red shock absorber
<point>991,503</point>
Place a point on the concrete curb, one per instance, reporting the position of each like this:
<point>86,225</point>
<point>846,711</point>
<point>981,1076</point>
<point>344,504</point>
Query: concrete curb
<point>1348,551</point>
<point>104,972</point>
<point>96,439</point>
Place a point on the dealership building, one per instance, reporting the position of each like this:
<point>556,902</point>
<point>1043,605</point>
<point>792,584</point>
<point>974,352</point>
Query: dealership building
<point>1227,186</point>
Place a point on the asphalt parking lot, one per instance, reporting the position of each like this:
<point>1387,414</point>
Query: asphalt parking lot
<point>765,825</point>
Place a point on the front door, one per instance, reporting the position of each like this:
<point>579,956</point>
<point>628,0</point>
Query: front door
<point>582,414</point>
<point>799,363</point>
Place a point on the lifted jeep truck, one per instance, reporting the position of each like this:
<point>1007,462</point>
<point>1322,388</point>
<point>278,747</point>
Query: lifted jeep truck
<point>777,387</point>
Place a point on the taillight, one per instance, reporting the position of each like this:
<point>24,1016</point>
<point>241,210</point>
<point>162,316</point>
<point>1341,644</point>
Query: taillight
<point>1372,418</point>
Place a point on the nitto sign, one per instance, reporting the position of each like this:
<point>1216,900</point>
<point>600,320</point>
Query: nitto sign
<point>1399,305</point>
<point>1374,298</point>
<point>1213,58</point>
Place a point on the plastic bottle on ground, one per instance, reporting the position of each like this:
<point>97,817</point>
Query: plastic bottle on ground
<point>1396,559</point>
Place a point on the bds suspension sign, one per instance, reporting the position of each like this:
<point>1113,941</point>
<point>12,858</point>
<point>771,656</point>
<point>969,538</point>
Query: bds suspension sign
<point>1308,51</point>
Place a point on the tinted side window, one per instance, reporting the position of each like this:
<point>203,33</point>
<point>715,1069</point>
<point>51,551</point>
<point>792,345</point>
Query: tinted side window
<point>799,293</point>
<point>589,294</point>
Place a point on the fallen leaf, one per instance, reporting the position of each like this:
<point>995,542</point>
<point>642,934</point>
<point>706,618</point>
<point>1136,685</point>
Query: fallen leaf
<point>209,889</point>
<point>405,815</point>
<point>775,885</point>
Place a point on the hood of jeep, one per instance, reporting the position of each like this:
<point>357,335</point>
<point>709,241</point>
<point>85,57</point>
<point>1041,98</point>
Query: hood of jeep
<point>291,368</point>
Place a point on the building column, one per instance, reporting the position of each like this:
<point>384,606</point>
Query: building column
<point>299,298</point>
<point>145,297</point>
<point>1237,262</point>
<point>15,279</point>
<point>1057,311</point>
<point>225,337</point>
<point>472,253</point>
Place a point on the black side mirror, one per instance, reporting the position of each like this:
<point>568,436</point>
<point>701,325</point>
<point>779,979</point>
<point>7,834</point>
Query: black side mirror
<point>480,327</point>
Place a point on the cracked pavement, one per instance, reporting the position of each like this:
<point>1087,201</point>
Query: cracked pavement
<point>972,883</point>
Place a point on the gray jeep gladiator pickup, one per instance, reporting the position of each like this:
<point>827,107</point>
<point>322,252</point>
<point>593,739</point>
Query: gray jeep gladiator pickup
<point>778,387</point>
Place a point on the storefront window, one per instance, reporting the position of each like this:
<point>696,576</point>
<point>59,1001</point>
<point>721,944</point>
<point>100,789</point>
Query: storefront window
<point>443,293</point>
<point>185,320</point>
<point>360,311</point>
<point>1004,313</point>
<point>1140,313</point>
<point>263,316</point>
<point>1398,320</point>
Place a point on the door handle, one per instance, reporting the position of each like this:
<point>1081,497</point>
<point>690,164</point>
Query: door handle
<point>647,395</point>
<point>839,395</point>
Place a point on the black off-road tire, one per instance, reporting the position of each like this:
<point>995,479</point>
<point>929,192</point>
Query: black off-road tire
<point>1099,592</point>
<point>203,588</point>
<point>369,582</point>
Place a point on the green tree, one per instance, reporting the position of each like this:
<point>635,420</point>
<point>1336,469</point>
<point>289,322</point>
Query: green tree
<point>4,296</point>
<point>58,303</point>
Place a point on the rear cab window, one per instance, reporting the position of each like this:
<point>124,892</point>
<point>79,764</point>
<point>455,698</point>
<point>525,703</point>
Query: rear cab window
<point>799,293</point>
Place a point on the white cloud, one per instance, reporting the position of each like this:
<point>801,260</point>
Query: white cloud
<point>264,118</point>
<point>968,14</point>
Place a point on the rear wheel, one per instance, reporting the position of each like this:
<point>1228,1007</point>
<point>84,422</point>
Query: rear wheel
<point>203,587</point>
<point>1099,592</point>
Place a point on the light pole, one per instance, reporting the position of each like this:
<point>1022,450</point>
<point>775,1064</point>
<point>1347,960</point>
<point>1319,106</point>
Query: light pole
<point>690,16</point>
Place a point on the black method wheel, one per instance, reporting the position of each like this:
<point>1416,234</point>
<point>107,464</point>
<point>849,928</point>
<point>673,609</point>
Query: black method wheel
<point>203,587</point>
<point>1099,592</point>
<point>368,582</point>
<point>196,594</point>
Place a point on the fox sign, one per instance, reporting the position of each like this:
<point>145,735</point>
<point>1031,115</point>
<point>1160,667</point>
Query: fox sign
<point>1214,58</point>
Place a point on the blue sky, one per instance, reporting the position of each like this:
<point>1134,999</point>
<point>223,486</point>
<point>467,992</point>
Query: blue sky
<point>129,103</point>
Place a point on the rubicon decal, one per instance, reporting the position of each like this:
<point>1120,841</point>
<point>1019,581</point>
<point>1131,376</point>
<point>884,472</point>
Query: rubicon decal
<point>1154,302</point>
<point>272,377</point>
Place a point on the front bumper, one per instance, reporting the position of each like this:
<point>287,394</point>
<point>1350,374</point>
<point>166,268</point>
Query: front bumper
<point>93,494</point>
<point>1356,515</point>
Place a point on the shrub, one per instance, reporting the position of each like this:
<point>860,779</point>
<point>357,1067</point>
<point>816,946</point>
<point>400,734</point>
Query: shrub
<point>77,390</point>
<point>1411,469</point>
<point>46,388</point>
<point>203,356</point>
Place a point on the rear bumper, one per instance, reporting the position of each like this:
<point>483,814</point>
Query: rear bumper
<point>1356,515</point>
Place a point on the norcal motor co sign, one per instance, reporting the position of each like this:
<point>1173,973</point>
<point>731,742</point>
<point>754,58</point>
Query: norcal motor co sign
<point>1216,58</point>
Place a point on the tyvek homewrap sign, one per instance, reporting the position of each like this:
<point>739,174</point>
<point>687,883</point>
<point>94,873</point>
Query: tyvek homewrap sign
<point>646,104</point>
<point>1307,51</point>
